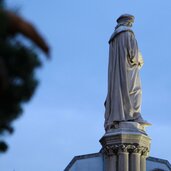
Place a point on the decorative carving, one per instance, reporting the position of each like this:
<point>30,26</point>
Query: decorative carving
<point>130,148</point>
<point>145,152</point>
<point>123,148</point>
<point>110,150</point>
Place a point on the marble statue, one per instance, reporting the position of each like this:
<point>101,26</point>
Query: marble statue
<point>123,101</point>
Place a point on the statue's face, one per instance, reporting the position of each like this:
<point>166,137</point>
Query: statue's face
<point>126,23</point>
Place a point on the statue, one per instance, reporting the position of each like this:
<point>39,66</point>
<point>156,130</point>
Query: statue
<point>123,101</point>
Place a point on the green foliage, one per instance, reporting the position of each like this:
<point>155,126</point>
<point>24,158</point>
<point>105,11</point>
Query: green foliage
<point>17,77</point>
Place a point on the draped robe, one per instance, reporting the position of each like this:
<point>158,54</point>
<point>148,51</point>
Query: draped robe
<point>123,101</point>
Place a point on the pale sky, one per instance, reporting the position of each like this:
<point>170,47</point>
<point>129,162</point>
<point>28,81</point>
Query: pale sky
<point>66,115</point>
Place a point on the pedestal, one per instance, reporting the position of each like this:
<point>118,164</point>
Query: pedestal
<point>126,147</point>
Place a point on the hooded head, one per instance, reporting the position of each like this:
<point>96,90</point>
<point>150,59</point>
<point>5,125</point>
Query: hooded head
<point>126,19</point>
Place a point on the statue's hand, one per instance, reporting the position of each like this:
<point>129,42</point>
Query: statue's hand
<point>140,60</point>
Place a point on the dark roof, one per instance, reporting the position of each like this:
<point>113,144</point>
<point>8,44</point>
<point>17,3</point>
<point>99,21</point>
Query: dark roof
<point>86,156</point>
<point>163,161</point>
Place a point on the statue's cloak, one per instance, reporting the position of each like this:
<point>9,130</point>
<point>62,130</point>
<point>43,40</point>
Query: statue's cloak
<point>123,102</point>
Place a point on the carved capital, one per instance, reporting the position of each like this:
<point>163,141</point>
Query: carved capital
<point>110,150</point>
<point>145,152</point>
<point>123,148</point>
<point>130,148</point>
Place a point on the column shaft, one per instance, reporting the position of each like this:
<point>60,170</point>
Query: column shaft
<point>123,164</point>
<point>143,163</point>
<point>135,162</point>
<point>111,163</point>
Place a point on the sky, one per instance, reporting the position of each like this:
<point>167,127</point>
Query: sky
<point>66,115</point>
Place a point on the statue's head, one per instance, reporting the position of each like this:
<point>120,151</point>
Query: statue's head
<point>126,19</point>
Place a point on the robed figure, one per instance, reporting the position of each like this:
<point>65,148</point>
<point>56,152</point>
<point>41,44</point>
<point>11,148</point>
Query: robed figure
<point>123,101</point>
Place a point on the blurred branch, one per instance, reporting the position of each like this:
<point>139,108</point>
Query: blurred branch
<point>18,64</point>
<point>17,25</point>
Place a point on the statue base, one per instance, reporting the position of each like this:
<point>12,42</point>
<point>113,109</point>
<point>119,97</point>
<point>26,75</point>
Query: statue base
<point>126,147</point>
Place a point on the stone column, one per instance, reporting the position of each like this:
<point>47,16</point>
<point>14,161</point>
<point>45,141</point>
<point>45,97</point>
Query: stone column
<point>110,156</point>
<point>135,161</point>
<point>143,163</point>
<point>111,163</point>
<point>123,161</point>
<point>143,160</point>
